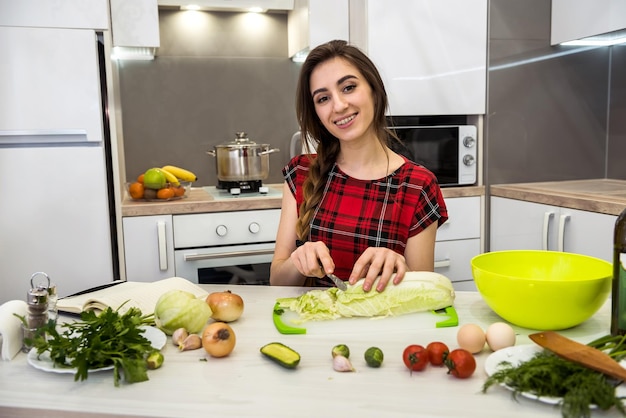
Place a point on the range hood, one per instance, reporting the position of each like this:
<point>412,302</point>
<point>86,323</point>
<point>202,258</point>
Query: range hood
<point>231,5</point>
<point>588,22</point>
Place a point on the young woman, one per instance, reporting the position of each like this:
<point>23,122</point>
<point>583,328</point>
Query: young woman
<point>355,208</point>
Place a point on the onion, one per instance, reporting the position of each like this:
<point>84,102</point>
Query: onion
<point>218,339</point>
<point>226,306</point>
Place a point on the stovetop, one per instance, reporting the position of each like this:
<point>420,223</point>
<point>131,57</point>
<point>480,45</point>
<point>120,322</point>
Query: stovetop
<point>221,194</point>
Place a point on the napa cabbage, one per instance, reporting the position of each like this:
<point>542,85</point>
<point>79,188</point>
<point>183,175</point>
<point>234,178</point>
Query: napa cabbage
<point>419,291</point>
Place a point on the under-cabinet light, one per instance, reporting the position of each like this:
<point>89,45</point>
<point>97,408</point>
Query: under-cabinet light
<point>120,53</point>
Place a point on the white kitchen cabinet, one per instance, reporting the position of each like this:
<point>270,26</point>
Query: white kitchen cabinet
<point>313,22</point>
<point>135,23</point>
<point>577,19</point>
<point>148,247</point>
<point>459,240</point>
<point>77,14</point>
<point>517,224</point>
<point>51,104</point>
<point>432,55</point>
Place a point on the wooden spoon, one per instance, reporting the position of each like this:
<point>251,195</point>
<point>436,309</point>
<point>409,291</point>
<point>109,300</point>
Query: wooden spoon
<point>579,353</point>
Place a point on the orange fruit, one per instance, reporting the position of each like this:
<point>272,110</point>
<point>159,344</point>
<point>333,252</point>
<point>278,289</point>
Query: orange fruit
<point>179,191</point>
<point>140,178</point>
<point>135,190</point>
<point>165,193</point>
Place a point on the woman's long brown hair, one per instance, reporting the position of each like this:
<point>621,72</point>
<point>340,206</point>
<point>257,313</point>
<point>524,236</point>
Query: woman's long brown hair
<point>311,126</point>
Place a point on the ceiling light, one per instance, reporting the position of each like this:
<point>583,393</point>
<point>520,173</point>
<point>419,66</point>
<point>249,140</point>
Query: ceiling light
<point>190,7</point>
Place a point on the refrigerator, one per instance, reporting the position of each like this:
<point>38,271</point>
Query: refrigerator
<point>57,200</point>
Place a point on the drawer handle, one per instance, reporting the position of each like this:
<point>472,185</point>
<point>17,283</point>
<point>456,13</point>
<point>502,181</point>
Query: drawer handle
<point>546,229</point>
<point>197,257</point>
<point>442,263</point>
<point>561,243</point>
<point>161,239</point>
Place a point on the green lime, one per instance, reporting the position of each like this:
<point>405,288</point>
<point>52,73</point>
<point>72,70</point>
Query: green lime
<point>154,178</point>
<point>374,357</point>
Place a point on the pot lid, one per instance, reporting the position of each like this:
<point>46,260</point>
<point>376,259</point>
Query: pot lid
<point>241,141</point>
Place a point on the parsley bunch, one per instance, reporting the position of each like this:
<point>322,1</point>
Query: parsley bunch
<point>100,340</point>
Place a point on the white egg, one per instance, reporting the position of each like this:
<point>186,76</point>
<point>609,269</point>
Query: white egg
<point>500,335</point>
<point>471,337</point>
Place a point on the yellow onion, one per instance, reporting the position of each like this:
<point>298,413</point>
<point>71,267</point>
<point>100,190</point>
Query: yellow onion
<point>218,339</point>
<point>225,306</point>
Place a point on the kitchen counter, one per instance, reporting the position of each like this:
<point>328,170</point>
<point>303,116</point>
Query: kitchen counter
<point>199,201</point>
<point>596,195</point>
<point>245,384</point>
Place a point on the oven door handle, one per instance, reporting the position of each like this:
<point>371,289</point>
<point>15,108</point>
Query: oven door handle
<point>197,257</point>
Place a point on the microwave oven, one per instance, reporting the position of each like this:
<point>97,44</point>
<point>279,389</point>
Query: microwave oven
<point>449,151</point>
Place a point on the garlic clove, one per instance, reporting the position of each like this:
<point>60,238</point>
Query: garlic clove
<point>342,364</point>
<point>179,336</point>
<point>192,342</point>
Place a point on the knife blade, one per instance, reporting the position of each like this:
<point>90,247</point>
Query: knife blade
<point>338,282</point>
<point>579,353</point>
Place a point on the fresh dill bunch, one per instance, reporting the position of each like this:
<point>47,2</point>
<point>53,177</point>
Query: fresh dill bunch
<point>547,375</point>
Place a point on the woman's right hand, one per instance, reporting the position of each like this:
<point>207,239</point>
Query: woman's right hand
<point>312,259</point>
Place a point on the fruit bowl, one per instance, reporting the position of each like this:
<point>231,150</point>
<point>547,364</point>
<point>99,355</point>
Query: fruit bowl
<point>542,290</point>
<point>136,191</point>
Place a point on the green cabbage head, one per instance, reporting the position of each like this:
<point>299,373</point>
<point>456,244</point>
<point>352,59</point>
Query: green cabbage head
<point>180,309</point>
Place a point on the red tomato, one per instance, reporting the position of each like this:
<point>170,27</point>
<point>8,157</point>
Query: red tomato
<point>461,363</point>
<point>415,357</point>
<point>437,353</point>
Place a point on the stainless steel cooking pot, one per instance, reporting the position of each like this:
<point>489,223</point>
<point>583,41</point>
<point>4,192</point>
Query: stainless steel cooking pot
<point>242,159</point>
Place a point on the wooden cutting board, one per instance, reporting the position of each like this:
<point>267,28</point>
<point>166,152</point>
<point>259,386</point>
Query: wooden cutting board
<point>287,322</point>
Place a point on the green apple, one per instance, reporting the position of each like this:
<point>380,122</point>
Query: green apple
<point>154,178</point>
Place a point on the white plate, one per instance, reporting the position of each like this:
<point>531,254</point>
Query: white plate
<point>519,354</point>
<point>43,362</point>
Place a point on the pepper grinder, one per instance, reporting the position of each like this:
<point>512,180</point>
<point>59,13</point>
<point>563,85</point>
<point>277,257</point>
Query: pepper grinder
<point>52,294</point>
<point>37,315</point>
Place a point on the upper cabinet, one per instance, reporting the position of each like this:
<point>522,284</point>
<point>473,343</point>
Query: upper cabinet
<point>313,22</point>
<point>77,14</point>
<point>135,23</point>
<point>432,55</point>
<point>577,19</point>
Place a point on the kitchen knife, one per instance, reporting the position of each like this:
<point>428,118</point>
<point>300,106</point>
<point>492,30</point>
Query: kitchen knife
<point>579,353</point>
<point>338,282</point>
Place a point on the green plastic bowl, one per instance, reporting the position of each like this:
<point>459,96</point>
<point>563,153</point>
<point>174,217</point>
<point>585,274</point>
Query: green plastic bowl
<point>542,290</point>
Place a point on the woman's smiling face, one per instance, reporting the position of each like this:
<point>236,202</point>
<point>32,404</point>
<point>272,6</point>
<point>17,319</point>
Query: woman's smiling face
<point>343,99</point>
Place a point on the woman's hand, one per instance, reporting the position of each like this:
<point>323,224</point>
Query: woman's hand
<point>312,259</point>
<point>376,262</point>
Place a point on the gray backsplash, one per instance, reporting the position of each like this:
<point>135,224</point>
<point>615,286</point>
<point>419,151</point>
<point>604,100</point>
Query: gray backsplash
<point>554,113</point>
<point>201,90</point>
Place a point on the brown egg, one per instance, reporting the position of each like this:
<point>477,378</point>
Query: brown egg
<point>471,337</point>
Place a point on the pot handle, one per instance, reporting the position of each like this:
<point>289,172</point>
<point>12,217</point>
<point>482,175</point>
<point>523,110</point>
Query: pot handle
<point>269,151</point>
<point>211,153</point>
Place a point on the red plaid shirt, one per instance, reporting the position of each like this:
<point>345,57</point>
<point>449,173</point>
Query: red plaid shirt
<point>356,214</point>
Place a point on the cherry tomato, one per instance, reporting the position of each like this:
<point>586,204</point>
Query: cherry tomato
<point>461,363</point>
<point>415,357</point>
<point>437,353</point>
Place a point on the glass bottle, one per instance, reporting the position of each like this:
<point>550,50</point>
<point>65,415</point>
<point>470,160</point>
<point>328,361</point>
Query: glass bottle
<point>618,294</point>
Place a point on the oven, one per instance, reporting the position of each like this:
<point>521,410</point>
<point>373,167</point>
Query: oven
<point>448,150</point>
<point>234,247</point>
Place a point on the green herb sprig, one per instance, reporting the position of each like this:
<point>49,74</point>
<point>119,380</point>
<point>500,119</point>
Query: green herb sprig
<point>548,375</point>
<point>100,340</point>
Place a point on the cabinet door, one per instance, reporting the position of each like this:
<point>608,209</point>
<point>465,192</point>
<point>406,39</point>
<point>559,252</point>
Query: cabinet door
<point>51,85</point>
<point>85,14</point>
<point>432,55</point>
<point>588,233</point>
<point>454,261</point>
<point>148,248</point>
<point>516,224</point>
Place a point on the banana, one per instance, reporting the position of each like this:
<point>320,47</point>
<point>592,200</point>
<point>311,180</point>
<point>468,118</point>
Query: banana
<point>180,173</point>
<point>170,177</point>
